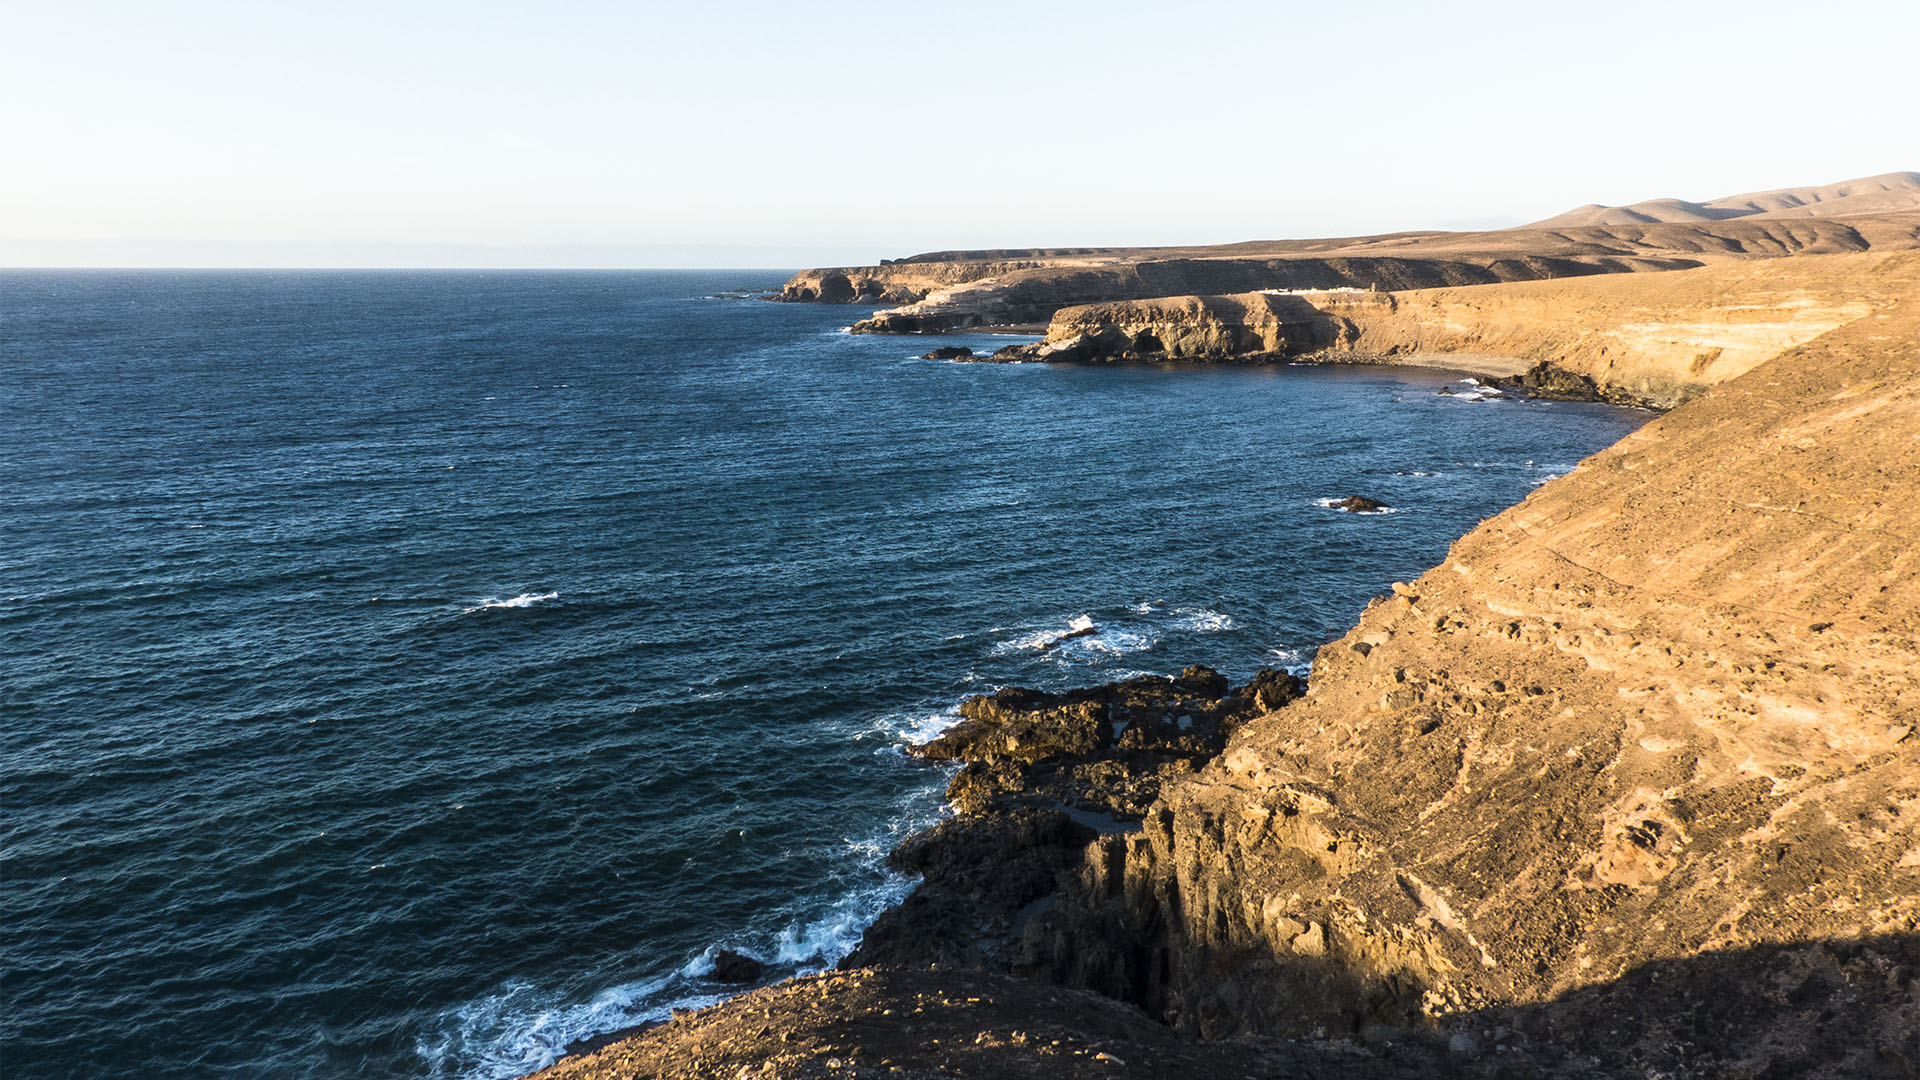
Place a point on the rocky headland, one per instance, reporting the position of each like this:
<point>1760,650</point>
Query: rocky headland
<point>1641,339</point>
<point>953,290</point>
<point>1628,786</point>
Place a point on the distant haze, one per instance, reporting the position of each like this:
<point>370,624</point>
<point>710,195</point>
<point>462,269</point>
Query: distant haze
<point>480,133</point>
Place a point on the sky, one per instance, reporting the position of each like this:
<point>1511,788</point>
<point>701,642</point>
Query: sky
<point>577,133</point>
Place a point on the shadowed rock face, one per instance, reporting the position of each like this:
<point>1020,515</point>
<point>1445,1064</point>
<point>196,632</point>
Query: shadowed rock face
<point>1754,1012</point>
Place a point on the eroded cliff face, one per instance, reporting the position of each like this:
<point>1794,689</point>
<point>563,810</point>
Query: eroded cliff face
<point>1637,339</point>
<point>1662,711</point>
<point>1032,295</point>
<point>958,289</point>
<point>903,282</point>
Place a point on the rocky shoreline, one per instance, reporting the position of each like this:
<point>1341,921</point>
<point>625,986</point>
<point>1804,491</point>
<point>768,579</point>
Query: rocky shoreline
<point>1041,777</point>
<point>1628,786</point>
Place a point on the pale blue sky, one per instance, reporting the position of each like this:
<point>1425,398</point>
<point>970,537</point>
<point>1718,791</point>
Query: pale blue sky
<point>201,132</point>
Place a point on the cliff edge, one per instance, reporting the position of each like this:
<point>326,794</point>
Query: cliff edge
<point>1637,339</point>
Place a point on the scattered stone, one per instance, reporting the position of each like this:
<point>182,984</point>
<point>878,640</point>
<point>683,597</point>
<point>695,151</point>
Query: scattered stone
<point>1359,504</point>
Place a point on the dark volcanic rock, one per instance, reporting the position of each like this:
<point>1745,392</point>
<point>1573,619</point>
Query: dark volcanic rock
<point>733,967</point>
<point>980,875</point>
<point>1042,776</point>
<point>1359,504</point>
<point>1548,380</point>
<point>950,352</point>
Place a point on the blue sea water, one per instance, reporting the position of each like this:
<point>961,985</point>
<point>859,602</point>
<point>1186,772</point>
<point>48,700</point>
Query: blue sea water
<point>406,674</point>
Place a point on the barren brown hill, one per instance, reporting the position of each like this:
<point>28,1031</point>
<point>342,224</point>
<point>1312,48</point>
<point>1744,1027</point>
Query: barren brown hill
<point>1024,288</point>
<point>1888,193</point>
<point>1644,339</point>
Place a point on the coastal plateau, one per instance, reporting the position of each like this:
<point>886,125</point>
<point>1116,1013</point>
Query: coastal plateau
<point>1629,785</point>
<point>951,290</point>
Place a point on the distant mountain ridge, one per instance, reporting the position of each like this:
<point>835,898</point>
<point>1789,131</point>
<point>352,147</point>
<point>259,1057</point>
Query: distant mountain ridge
<point>1887,193</point>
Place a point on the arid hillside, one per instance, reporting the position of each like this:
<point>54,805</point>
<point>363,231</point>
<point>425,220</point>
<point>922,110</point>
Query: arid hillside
<point>1636,338</point>
<point>952,290</point>
<point>1663,709</point>
<point>1889,193</point>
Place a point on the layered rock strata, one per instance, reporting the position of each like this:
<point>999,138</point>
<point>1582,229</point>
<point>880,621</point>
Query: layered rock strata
<point>954,290</point>
<point>1633,339</point>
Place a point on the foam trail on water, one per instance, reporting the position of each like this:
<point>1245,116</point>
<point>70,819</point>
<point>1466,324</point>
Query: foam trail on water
<point>523,600</point>
<point>521,1027</point>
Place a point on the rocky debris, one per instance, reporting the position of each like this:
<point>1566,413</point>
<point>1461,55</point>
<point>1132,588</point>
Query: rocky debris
<point>1358,504</point>
<point>950,352</point>
<point>736,967</point>
<point>1042,775</point>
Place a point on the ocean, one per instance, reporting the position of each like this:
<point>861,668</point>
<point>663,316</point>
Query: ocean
<point>406,674</point>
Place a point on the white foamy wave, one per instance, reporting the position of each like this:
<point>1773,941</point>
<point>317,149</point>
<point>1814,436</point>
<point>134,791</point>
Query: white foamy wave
<point>1079,626</point>
<point>523,600</point>
<point>1081,638</point>
<point>1202,621</point>
<point>823,942</point>
<point>1473,390</point>
<point>917,728</point>
<point>1117,642</point>
<point>1294,661</point>
<point>521,1027</point>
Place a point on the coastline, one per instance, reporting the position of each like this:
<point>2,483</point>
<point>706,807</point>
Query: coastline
<point>1401,942</point>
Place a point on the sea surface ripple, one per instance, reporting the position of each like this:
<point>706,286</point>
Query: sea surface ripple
<point>407,674</point>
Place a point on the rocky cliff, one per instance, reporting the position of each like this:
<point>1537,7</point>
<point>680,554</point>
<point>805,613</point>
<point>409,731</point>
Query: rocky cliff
<point>1629,785</point>
<point>1032,294</point>
<point>1638,339</point>
<point>1663,711</point>
<point>951,290</point>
